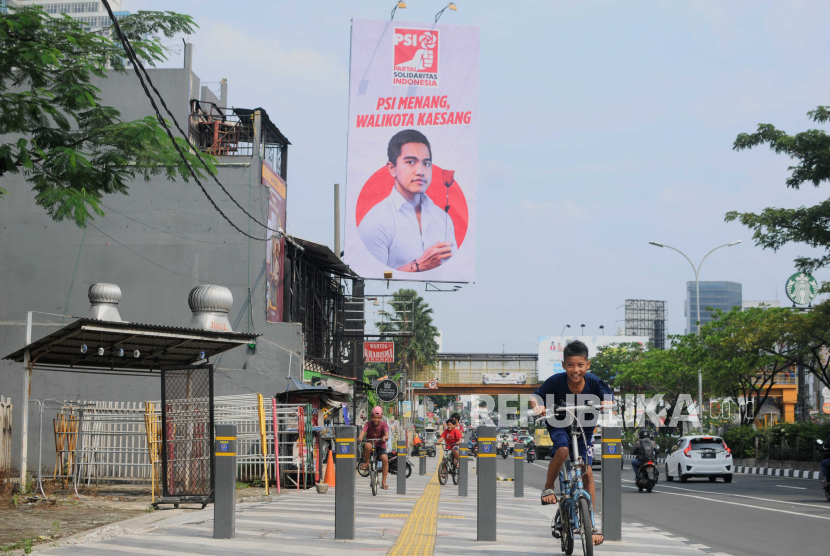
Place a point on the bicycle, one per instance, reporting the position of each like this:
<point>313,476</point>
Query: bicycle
<point>447,467</point>
<point>371,469</point>
<point>575,515</point>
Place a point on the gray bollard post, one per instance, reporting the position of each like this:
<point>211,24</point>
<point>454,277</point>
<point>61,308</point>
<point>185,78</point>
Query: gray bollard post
<point>462,469</point>
<point>422,461</point>
<point>486,487</point>
<point>519,470</point>
<point>224,503</point>
<point>401,467</point>
<point>611,483</point>
<point>344,477</point>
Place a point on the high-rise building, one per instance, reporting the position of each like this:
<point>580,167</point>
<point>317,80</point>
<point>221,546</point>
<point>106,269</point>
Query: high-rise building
<point>92,14</point>
<point>717,295</point>
<point>645,317</point>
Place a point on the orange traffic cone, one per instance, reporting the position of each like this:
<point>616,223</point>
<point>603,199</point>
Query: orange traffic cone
<point>329,480</point>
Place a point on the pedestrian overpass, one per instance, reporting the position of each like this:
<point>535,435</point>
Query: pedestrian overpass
<point>480,373</point>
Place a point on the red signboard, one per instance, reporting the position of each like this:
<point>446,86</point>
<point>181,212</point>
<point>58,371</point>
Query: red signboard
<point>378,352</point>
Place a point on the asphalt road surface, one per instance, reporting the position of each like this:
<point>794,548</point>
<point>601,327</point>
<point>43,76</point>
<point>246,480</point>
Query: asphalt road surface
<point>752,516</point>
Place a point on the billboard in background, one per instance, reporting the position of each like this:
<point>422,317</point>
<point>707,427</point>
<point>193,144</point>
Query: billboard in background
<point>504,378</point>
<point>412,151</point>
<point>551,348</point>
<point>378,352</point>
<point>275,253</point>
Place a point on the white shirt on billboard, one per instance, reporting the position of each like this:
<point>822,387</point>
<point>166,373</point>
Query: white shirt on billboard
<point>391,234</point>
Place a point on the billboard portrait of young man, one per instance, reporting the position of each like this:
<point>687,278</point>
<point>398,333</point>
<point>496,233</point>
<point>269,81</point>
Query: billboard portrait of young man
<point>407,231</point>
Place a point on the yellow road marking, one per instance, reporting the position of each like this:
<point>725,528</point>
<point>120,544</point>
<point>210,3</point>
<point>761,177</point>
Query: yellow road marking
<point>439,516</point>
<point>418,533</point>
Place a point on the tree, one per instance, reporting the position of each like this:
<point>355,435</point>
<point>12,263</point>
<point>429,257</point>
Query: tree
<point>72,149</point>
<point>608,364</point>
<point>775,227</point>
<point>411,314</point>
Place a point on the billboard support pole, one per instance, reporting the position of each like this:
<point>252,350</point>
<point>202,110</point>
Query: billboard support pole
<point>337,220</point>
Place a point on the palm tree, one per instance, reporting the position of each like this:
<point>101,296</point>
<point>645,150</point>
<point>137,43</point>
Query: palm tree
<point>414,332</point>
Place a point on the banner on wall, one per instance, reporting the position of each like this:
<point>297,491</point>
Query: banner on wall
<point>412,151</point>
<point>275,254</point>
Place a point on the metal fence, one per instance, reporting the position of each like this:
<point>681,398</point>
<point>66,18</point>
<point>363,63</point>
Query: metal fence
<point>5,433</point>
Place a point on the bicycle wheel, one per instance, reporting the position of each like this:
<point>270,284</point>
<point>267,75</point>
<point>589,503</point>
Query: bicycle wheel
<point>364,472</point>
<point>455,474</point>
<point>567,540</point>
<point>373,476</point>
<point>584,517</point>
<point>443,471</point>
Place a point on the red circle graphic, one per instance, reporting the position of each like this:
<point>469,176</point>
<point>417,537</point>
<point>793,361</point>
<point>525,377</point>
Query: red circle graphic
<point>380,184</point>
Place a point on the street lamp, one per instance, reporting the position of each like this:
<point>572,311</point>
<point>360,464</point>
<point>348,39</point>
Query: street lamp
<point>602,330</point>
<point>697,299</point>
<point>401,5</point>
<point>583,329</point>
<point>563,329</point>
<point>452,7</point>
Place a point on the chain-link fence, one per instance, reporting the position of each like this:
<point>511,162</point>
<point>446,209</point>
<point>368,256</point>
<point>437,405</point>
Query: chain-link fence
<point>187,431</point>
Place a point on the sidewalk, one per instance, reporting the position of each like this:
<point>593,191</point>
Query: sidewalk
<point>429,519</point>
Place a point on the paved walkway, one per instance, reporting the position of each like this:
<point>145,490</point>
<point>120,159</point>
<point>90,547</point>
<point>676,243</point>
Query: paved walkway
<point>428,520</point>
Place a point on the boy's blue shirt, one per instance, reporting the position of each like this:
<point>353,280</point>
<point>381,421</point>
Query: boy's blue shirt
<point>557,385</point>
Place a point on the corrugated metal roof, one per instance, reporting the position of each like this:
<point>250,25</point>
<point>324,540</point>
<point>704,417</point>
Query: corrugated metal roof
<point>158,346</point>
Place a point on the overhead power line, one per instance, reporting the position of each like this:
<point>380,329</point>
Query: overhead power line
<point>139,69</point>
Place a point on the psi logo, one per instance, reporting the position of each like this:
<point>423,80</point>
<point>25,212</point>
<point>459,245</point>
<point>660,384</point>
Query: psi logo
<point>344,448</point>
<point>415,57</point>
<point>486,448</point>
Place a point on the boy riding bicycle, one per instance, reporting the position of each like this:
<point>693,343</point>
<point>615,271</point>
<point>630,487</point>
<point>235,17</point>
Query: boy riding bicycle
<point>451,437</point>
<point>377,431</point>
<point>574,381</point>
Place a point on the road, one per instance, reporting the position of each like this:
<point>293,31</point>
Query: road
<point>752,516</point>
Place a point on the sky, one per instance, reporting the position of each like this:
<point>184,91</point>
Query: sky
<point>603,125</point>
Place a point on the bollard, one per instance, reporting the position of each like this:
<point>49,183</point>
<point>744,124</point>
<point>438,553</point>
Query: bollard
<point>344,477</point>
<point>422,462</point>
<point>401,467</point>
<point>519,470</point>
<point>611,484</point>
<point>462,469</point>
<point>224,503</point>
<point>486,487</point>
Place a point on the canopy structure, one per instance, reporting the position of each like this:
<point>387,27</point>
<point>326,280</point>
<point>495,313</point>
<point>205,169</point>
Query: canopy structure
<point>146,347</point>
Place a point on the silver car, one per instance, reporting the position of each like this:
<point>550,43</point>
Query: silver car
<point>700,456</point>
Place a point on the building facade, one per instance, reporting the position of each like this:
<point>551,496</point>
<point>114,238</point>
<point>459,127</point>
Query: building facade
<point>92,15</point>
<point>717,295</point>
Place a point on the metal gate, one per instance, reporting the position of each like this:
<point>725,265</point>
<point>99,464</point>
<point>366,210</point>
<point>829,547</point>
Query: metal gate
<point>187,434</point>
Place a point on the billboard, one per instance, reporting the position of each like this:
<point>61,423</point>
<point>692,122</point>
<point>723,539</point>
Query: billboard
<point>504,378</point>
<point>551,348</point>
<point>412,151</point>
<point>378,352</point>
<point>275,248</point>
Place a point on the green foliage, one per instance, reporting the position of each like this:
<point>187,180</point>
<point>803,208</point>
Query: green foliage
<point>420,350</point>
<point>775,227</point>
<point>784,441</point>
<point>72,149</point>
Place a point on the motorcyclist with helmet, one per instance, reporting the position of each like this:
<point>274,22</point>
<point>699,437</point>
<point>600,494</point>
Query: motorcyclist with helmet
<point>643,450</point>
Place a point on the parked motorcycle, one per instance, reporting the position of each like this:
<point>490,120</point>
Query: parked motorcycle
<point>530,453</point>
<point>393,465</point>
<point>648,476</point>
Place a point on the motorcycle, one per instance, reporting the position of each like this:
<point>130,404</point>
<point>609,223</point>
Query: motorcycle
<point>648,476</point>
<point>505,450</point>
<point>474,449</point>
<point>393,465</point>
<point>530,453</point>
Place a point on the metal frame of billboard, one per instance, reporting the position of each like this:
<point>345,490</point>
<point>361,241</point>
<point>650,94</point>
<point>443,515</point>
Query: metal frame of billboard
<point>359,311</point>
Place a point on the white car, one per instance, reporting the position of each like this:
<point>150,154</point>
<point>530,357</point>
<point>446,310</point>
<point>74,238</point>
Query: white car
<point>699,456</point>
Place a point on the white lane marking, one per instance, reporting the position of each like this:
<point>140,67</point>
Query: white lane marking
<point>785,486</point>
<point>749,497</point>
<point>737,504</point>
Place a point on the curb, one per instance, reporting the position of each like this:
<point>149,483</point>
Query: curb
<point>767,471</point>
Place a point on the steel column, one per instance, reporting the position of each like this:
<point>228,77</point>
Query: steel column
<point>611,483</point>
<point>344,470</point>
<point>224,504</point>
<point>486,484</point>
